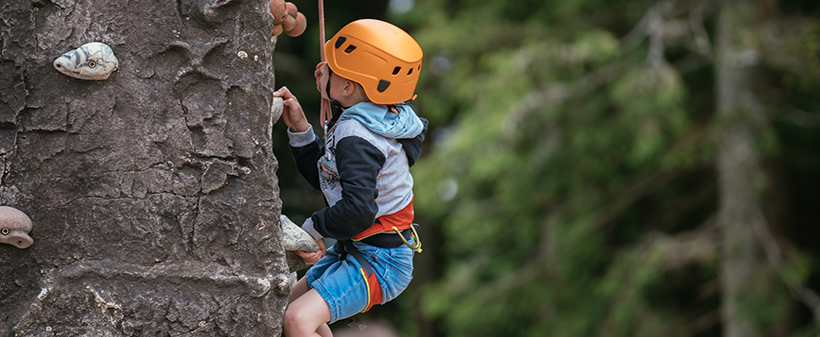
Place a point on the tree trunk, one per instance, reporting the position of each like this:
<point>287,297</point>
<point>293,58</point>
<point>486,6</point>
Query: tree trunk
<point>153,193</point>
<point>740,176</point>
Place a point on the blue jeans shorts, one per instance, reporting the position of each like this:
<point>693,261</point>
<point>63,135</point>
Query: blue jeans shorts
<point>341,285</point>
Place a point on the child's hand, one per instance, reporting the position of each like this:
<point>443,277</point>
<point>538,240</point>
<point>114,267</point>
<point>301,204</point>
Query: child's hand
<point>311,258</point>
<point>292,111</point>
<point>321,73</point>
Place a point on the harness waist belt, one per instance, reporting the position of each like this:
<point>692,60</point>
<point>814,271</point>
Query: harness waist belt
<point>401,220</point>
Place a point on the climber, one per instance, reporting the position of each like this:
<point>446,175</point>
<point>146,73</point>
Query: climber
<point>362,168</point>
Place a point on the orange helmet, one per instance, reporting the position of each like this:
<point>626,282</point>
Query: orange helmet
<point>381,57</point>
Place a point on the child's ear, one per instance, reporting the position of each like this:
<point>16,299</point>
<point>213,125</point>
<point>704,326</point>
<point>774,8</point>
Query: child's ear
<point>349,88</point>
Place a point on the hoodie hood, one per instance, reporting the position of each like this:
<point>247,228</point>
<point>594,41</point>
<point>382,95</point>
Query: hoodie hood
<point>381,120</point>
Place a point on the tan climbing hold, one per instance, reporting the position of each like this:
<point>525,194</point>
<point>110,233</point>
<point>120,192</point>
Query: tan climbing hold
<point>14,227</point>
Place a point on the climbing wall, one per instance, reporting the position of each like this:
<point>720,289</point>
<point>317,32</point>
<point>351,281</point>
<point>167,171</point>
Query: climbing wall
<point>152,193</point>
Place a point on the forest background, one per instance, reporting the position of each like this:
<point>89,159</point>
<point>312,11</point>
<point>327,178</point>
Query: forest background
<point>601,168</point>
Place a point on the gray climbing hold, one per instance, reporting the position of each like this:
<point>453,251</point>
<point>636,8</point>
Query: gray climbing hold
<point>276,108</point>
<point>294,238</point>
<point>14,227</point>
<point>92,61</point>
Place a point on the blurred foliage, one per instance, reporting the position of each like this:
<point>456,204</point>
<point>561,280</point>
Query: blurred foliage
<point>572,148</point>
<point>565,134</point>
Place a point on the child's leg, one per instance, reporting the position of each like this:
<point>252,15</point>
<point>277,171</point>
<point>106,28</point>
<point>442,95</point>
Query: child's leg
<point>307,313</point>
<point>299,289</point>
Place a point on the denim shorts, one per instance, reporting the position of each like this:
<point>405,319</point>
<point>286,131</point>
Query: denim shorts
<point>341,285</point>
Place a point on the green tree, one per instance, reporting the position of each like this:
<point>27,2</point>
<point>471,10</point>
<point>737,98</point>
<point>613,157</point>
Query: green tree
<point>578,168</point>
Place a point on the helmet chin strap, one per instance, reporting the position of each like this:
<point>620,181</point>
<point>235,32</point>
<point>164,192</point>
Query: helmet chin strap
<point>327,91</point>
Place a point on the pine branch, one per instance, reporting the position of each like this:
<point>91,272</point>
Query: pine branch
<point>777,259</point>
<point>693,247</point>
<point>652,26</point>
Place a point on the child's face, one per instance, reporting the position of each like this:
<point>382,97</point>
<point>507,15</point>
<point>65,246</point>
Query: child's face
<point>337,83</point>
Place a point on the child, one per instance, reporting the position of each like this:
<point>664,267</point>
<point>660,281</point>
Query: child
<point>362,168</point>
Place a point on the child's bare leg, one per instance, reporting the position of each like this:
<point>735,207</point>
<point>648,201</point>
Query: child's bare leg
<point>307,314</point>
<point>299,289</point>
<point>324,330</point>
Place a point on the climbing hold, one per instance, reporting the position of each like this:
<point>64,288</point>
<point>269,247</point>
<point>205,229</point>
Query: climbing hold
<point>276,107</point>
<point>294,238</point>
<point>277,30</point>
<point>278,10</point>
<point>287,18</point>
<point>288,23</point>
<point>299,28</point>
<point>291,7</point>
<point>15,226</point>
<point>92,61</point>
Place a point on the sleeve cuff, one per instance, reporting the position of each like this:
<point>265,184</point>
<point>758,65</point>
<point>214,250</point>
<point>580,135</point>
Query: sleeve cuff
<point>299,139</point>
<point>308,227</point>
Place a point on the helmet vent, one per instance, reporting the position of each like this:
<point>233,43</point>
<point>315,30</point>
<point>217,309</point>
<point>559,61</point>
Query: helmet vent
<point>410,72</point>
<point>341,40</point>
<point>350,49</point>
<point>383,85</point>
<point>396,70</point>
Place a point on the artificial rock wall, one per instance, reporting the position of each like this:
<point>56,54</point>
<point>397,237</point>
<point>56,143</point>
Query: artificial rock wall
<point>153,193</point>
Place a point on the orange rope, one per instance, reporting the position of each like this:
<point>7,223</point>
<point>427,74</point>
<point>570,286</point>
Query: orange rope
<point>325,113</point>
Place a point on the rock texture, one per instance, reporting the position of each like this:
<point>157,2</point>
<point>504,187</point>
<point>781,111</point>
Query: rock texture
<point>153,195</point>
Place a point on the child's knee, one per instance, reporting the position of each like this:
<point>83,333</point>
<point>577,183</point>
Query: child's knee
<point>291,319</point>
<point>295,320</point>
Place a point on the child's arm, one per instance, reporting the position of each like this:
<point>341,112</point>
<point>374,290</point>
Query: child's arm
<point>359,163</point>
<point>412,147</point>
<point>306,150</point>
<point>304,144</point>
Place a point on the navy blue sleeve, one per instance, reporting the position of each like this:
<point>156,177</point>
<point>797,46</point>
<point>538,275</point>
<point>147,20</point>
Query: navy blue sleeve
<point>359,163</point>
<point>412,147</point>
<point>306,158</point>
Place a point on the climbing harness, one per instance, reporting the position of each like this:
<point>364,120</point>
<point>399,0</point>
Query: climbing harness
<point>374,290</point>
<point>396,222</point>
<point>414,235</point>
